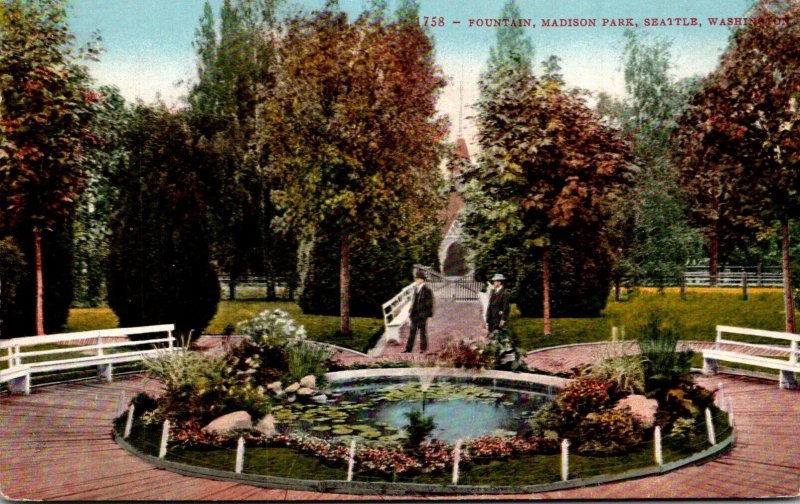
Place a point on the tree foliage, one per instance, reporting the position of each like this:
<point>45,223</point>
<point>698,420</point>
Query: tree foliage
<point>353,134</point>
<point>160,267</point>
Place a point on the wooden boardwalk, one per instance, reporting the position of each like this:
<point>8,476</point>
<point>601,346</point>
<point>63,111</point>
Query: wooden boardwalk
<point>56,444</point>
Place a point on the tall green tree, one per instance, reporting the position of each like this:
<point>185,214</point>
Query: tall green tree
<point>46,110</point>
<point>354,134</point>
<point>662,238</point>
<point>160,268</point>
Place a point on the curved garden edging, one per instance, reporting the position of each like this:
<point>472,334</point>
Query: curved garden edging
<point>398,489</point>
<point>387,488</point>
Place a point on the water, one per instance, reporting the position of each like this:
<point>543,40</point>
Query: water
<point>459,410</point>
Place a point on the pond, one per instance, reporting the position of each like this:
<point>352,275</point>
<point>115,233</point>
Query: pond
<point>378,411</point>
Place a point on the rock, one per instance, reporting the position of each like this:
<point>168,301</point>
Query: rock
<point>320,399</point>
<point>229,422</point>
<point>266,425</point>
<point>309,381</point>
<point>291,389</point>
<point>305,391</point>
<point>642,408</point>
<point>291,398</point>
<point>275,387</point>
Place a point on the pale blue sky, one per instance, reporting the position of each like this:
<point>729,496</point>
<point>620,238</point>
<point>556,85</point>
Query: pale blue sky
<point>148,42</point>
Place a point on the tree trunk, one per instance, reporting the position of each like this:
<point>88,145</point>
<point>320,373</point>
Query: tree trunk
<point>344,286</point>
<point>37,247</point>
<point>232,287</point>
<point>713,252</point>
<point>548,330</point>
<point>788,297</point>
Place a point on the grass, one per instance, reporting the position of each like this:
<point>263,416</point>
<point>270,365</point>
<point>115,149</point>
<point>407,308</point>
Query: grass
<point>698,315</point>
<point>320,327</point>
<point>703,309</point>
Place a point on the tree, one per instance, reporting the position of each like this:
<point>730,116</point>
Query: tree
<point>550,170</point>
<point>353,134</point>
<point>748,133</point>
<point>661,239</point>
<point>160,267</point>
<point>46,108</point>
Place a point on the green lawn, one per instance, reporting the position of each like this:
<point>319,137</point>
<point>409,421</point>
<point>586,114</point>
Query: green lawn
<point>698,315</point>
<point>319,327</point>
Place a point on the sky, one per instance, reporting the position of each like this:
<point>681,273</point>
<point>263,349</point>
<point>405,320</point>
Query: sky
<point>148,43</point>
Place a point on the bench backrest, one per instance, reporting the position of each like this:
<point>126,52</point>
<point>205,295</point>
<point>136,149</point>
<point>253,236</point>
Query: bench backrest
<point>14,351</point>
<point>793,339</point>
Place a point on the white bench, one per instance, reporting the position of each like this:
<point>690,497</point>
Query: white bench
<point>19,371</point>
<point>782,358</point>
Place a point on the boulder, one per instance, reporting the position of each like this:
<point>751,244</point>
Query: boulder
<point>320,399</point>
<point>266,425</point>
<point>305,391</point>
<point>291,389</point>
<point>275,387</point>
<point>229,422</point>
<point>309,381</point>
<point>642,408</point>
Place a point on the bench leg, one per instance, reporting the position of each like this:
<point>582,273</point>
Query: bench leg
<point>710,366</point>
<point>21,385</point>
<point>105,371</point>
<point>788,380</point>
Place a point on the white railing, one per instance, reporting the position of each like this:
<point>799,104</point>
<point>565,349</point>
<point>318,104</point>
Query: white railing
<point>91,345</point>
<point>733,279</point>
<point>396,312</point>
<point>771,356</point>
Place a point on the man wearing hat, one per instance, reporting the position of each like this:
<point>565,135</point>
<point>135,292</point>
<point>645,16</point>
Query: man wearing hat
<point>421,311</point>
<point>499,304</point>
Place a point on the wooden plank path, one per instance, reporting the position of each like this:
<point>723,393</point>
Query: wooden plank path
<point>56,444</point>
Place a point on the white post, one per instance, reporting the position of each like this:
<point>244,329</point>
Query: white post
<point>710,424</point>
<point>162,451</point>
<point>240,456</point>
<point>721,400</point>
<point>351,460</point>
<point>456,460</point>
<point>614,333</point>
<point>793,352</point>
<point>171,338</point>
<point>121,406</point>
<point>100,345</point>
<point>730,411</point>
<point>129,423</point>
<point>659,453</point>
<point>565,460</point>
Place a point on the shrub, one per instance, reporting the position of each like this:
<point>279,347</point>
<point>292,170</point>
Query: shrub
<point>272,328</point>
<point>625,371</point>
<point>663,364</point>
<point>468,354</point>
<point>505,353</point>
<point>609,432</point>
<point>12,272</point>
<point>307,358</point>
<point>419,427</point>
<point>584,396</point>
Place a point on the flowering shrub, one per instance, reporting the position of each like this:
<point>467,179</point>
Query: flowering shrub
<point>387,460</point>
<point>609,432</point>
<point>500,447</point>
<point>272,327</point>
<point>582,397</point>
<point>468,354</point>
<point>435,456</point>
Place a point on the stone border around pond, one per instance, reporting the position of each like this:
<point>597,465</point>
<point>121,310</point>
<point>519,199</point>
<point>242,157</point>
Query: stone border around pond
<point>399,489</point>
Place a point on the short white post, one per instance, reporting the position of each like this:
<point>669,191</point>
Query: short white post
<point>162,451</point>
<point>614,333</point>
<point>351,460</point>
<point>240,456</point>
<point>712,438</point>
<point>565,460</point>
<point>721,399</point>
<point>657,441</point>
<point>730,411</point>
<point>456,460</point>
<point>121,406</point>
<point>129,423</point>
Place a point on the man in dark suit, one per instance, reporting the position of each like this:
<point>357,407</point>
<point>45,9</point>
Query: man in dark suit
<point>421,311</point>
<point>499,304</point>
